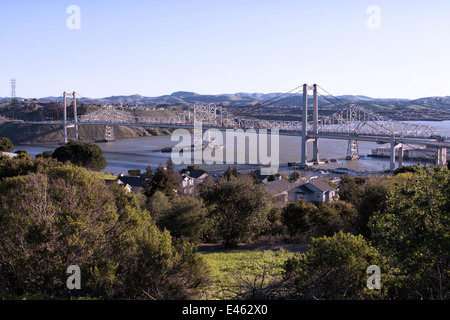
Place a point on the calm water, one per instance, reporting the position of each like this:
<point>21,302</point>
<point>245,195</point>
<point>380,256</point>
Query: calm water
<point>138,153</point>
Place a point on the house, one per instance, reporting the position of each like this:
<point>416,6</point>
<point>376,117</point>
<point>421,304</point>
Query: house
<point>118,182</point>
<point>316,191</point>
<point>191,179</point>
<point>135,182</point>
<point>8,154</point>
<point>281,190</point>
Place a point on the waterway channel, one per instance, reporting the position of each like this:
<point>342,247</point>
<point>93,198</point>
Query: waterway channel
<point>138,153</point>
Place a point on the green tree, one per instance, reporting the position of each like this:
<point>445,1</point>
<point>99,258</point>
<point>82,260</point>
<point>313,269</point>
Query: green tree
<point>162,181</point>
<point>45,154</point>
<point>6,145</point>
<point>350,189</point>
<point>147,183</point>
<point>24,165</point>
<point>295,175</point>
<point>158,205</point>
<point>23,154</point>
<point>238,208</point>
<point>334,268</point>
<point>372,198</point>
<point>348,214</point>
<point>275,219</point>
<point>234,172</point>
<point>326,220</point>
<point>65,215</point>
<point>185,217</point>
<point>296,216</point>
<point>253,176</point>
<point>414,231</point>
<point>134,172</point>
<point>83,154</point>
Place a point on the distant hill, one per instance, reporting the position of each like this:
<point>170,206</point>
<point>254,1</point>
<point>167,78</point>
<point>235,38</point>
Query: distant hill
<point>244,99</point>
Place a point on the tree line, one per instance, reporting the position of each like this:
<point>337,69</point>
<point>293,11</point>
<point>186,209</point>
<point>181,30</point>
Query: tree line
<point>54,214</point>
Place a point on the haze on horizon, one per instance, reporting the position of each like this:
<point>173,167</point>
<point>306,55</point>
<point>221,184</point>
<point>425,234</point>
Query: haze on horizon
<point>153,48</point>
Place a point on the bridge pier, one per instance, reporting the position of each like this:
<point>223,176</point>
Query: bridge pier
<point>65,117</point>
<point>392,157</point>
<point>75,117</point>
<point>400,155</point>
<point>304,125</point>
<point>441,157</point>
<point>352,150</point>
<point>65,125</point>
<point>109,134</point>
<point>315,157</point>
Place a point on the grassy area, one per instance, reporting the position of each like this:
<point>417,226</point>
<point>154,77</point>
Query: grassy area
<point>106,176</point>
<point>233,273</point>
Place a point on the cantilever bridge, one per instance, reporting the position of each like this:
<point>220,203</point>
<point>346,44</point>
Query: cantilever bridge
<point>350,122</point>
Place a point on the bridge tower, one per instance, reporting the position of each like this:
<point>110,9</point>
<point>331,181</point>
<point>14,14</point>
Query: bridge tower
<point>304,125</point>
<point>109,133</point>
<point>441,157</point>
<point>352,150</point>
<point>75,120</point>
<point>65,117</point>
<point>315,128</point>
<point>315,158</point>
<point>75,117</point>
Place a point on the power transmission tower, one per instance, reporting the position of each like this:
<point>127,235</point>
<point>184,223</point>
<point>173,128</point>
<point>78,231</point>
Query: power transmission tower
<point>13,95</point>
<point>13,91</point>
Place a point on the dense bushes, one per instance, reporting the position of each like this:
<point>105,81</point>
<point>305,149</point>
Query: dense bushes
<point>83,154</point>
<point>402,225</point>
<point>333,268</point>
<point>53,215</point>
<point>64,215</point>
<point>237,208</point>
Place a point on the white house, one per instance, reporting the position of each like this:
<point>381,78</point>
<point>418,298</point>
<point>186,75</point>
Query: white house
<point>9,154</point>
<point>192,178</point>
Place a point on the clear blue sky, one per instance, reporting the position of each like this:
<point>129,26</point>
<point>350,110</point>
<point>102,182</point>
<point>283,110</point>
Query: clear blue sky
<point>225,46</point>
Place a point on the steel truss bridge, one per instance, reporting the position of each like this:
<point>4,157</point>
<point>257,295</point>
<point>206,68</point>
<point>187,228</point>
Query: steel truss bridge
<point>350,122</point>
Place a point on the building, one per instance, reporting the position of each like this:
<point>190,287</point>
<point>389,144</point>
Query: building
<point>8,154</point>
<point>119,183</point>
<point>383,152</point>
<point>316,191</point>
<point>135,182</point>
<point>281,190</point>
<point>191,179</point>
<point>421,154</point>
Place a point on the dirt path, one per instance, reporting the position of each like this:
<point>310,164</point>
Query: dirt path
<point>214,248</point>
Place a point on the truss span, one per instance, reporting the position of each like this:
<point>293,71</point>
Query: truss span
<point>359,121</point>
<point>352,120</point>
<point>209,115</point>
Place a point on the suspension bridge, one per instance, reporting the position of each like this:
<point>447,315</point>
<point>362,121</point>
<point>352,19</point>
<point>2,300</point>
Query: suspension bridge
<point>351,122</point>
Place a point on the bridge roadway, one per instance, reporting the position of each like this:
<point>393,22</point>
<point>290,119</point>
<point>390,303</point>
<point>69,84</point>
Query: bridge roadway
<point>430,143</point>
<point>441,143</point>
